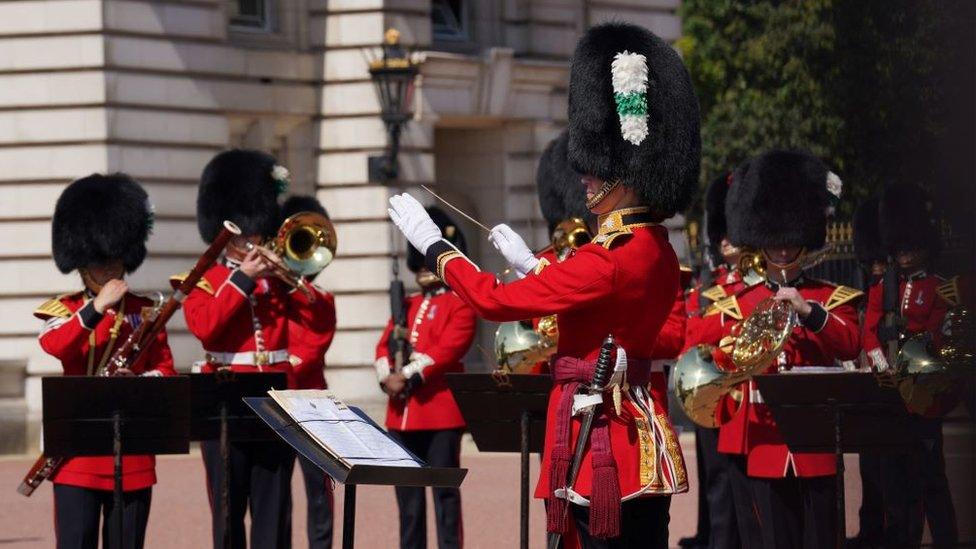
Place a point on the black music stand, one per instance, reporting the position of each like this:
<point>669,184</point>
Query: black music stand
<point>506,413</point>
<point>98,416</point>
<point>218,411</point>
<point>836,413</point>
<point>282,424</point>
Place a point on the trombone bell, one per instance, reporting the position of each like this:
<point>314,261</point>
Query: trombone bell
<point>306,243</point>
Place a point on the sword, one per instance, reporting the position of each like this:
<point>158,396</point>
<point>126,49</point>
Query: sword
<point>601,375</point>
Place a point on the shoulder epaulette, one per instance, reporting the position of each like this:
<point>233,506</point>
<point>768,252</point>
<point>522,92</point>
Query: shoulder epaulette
<point>203,283</point>
<point>714,293</point>
<point>53,308</point>
<point>949,291</point>
<point>840,296</point>
<point>727,305</point>
<point>608,239</point>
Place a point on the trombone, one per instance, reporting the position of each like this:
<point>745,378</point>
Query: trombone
<point>304,245</point>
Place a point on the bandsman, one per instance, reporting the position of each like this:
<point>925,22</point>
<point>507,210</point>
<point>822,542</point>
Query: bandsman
<point>307,355</point>
<point>100,227</point>
<point>240,312</point>
<point>422,413</point>
<point>915,486</point>
<point>778,204</point>
<point>634,133</point>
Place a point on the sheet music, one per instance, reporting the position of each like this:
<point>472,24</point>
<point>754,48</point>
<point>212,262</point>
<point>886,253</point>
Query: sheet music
<point>340,431</point>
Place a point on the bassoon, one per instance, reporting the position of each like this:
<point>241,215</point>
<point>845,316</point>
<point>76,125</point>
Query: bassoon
<point>133,351</point>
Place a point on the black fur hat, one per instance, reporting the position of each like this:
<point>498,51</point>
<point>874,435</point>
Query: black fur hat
<point>561,193</point>
<point>867,235</point>
<point>779,199</point>
<point>301,203</point>
<point>660,157</point>
<point>101,218</point>
<point>449,230</point>
<point>715,226</point>
<point>240,186</point>
<point>907,220</point>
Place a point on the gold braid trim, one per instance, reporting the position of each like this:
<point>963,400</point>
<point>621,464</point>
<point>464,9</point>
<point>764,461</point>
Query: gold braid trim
<point>443,259</point>
<point>842,295</point>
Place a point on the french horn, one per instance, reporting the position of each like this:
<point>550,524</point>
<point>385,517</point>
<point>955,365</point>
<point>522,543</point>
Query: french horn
<point>705,377</point>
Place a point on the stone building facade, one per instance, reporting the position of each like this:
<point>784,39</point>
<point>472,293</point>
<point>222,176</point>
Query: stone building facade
<point>156,87</point>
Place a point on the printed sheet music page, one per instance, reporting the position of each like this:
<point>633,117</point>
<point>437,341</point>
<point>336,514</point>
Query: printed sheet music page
<point>340,430</point>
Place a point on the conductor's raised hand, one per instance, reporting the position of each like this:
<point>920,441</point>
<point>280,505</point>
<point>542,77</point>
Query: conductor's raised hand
<point>513,249</point>
<point>409,215</point>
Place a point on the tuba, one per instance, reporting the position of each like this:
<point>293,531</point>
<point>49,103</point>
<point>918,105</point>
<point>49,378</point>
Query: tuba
<point>705,377</point>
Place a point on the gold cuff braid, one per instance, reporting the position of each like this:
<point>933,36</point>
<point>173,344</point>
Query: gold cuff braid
<point>442,261</point>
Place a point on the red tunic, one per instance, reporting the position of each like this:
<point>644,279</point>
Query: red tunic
<point>923,304</point>
<point>227,311</point>
<point>727,282</point>
<point>593,293</point>
<point>70,325</point>
<point>441,330</point>
<point>752,430</point>
<point>307,350</point>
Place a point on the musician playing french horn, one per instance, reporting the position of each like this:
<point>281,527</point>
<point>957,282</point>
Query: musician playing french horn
<point>100,227</point>
<point>778,204</point>
<point>240,312</point>
<point>915,486</point>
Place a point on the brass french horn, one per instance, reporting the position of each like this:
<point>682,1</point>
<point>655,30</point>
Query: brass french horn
<point>702,385</point>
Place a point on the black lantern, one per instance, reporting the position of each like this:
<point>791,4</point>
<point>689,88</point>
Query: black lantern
<point>393,75</point>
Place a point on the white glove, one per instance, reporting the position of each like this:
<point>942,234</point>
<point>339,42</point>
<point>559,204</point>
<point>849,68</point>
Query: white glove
<point>413,221</point>
<point>513,248</point>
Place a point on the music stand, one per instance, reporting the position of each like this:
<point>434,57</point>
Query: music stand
<point>834,413</point>
<point>351,476</point>
<point>506,413</point>
<point>98,416</point>
<point>218,411</point>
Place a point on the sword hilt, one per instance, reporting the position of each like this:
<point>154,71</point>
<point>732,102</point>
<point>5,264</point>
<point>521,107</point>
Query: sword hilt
<point>604,364</point>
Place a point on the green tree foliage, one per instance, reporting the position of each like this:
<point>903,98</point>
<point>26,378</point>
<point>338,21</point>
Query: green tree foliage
<point>849,80</point>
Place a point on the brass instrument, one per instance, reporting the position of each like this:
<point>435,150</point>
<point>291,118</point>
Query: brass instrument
<point>931,380</point>
<point>517,345</point>
<point>304,245</point>
<point>701,385</point>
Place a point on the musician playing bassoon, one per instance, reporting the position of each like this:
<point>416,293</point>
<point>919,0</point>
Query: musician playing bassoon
<point>100,227</point>
<point>634,132</point>
<point>240,311</point>
<point>778,204</point>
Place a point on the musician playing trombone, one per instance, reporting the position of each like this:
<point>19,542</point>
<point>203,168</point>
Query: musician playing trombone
<point>778,204</point>
<point>634,133</point>
<point>100,227</point>
<point>240,311</point>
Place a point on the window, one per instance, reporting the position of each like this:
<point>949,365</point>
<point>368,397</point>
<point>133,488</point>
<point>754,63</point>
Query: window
<point>448,20</point>
<point>255,15</point>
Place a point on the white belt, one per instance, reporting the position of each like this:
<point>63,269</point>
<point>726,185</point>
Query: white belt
<point>250,358</point>
<point>755,397</point>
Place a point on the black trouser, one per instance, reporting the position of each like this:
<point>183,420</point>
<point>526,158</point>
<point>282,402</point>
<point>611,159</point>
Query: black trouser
<point>440,448</point>
<point>77,511</point>
<point>721,527</point>
<point>916,490</point>
<point>643,523</point>
<point>746,513</point>
<point>796,512</point>
<point>703,527</point>
<point>318,493</point>
<point>872,504</point>
<point>260,479</point>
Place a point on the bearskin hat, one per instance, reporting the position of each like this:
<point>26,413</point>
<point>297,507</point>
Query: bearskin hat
<point>241,186</point>
<point>449,230</point>
<point>561,193</point>
<point>99,219</point>
<point>907,221</point>
<point>633,115</point>
<point>715,226</point>
<point>302,203</point>
<point>867,236</point>
<point>779,199</point>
